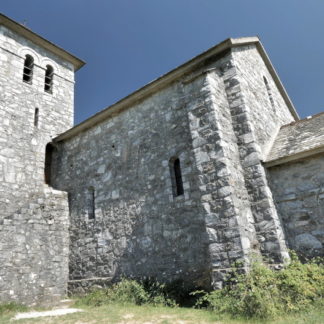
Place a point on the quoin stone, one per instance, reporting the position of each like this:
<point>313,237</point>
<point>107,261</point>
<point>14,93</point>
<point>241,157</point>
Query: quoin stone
<point>205,166</point>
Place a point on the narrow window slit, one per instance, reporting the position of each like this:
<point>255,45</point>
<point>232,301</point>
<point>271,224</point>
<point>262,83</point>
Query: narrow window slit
<point>268,91</point>
<point>91,203</point>
<point>176,177</point>
<point>48,163</point>
<point>36,117</point>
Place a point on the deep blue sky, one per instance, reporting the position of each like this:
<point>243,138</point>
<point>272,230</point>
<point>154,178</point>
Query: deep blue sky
<point>127,43</point>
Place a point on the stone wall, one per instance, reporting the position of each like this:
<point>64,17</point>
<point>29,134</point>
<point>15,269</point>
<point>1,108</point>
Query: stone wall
<point>22,146</point>
<point>34,250</point>
<point>140,228</point>
<point>298,189</point>
<point>22,159</point>
<point>125,218</point>
<point>257,111</point>
<point>224,195</point>
<point>266,108</point>
<point>128,216</point>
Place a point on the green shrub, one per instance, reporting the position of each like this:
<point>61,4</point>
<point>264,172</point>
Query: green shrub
<point>301,285</point>
<point>177,291</point>
<point>129,292</point>
<point>265,293</point>
<point>261,293</point>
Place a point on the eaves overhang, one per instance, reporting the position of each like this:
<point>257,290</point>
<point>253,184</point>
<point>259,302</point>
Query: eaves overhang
<point>295,157</point>
<point>172,76</point>
<point>40,41</point>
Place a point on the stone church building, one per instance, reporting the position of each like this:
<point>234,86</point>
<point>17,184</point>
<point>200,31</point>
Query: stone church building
<point>200,168</point>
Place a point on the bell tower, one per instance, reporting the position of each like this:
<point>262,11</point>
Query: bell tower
<point>36,104</point>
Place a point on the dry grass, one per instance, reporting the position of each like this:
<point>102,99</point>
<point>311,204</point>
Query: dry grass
<point>124,314</point>
<point>130,314</point>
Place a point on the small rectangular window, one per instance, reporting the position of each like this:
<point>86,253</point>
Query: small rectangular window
<point>48,162</point>
<point>176,177</point>
<point>36,117</point>
<point>91,203</point>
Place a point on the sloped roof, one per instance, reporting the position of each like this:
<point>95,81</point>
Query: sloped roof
<point>175,74</point>
<point>297,140</point>
<point>39,40</point>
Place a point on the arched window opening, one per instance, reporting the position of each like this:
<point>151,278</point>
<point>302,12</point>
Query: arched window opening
<point>48,86</point>
<point>268,91</point>
<point>48,163</point>
<point>36,117</point>
<point>176,177</point>
<point>91,208</point>
<point>28,69</point>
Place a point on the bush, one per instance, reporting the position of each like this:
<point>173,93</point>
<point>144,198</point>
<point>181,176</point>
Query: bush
<point>265,293</point>
<point>129,292</point>
<point>261,293</point>
<point>177,290</point>
<point>301,285</point>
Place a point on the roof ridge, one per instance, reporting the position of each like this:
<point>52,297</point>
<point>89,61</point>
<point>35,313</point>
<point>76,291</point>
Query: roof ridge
<point>175,74</point>
<point>40,41</point>
<point>303,120</point>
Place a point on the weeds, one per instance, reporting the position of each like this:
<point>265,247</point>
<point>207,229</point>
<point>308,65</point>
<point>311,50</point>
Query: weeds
<point>129,292</point>
<point>265,293</point>
<point>262,293</point>
<point>11,307</point>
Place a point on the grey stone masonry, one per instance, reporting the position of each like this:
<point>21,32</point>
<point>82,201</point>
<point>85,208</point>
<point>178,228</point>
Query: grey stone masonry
<point>34,219</point>
<point>255,118</point>
<point>177,181</point>
<point>295,166</point>
<point>34,246</point>
<point>121,168</point>
<point>226,207</point>
<point>298,189</point>
<point>126,219</point>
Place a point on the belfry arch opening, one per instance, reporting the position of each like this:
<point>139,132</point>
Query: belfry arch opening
<point>49,73</point>
<point>28,68</point>
<point>50,148</point>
